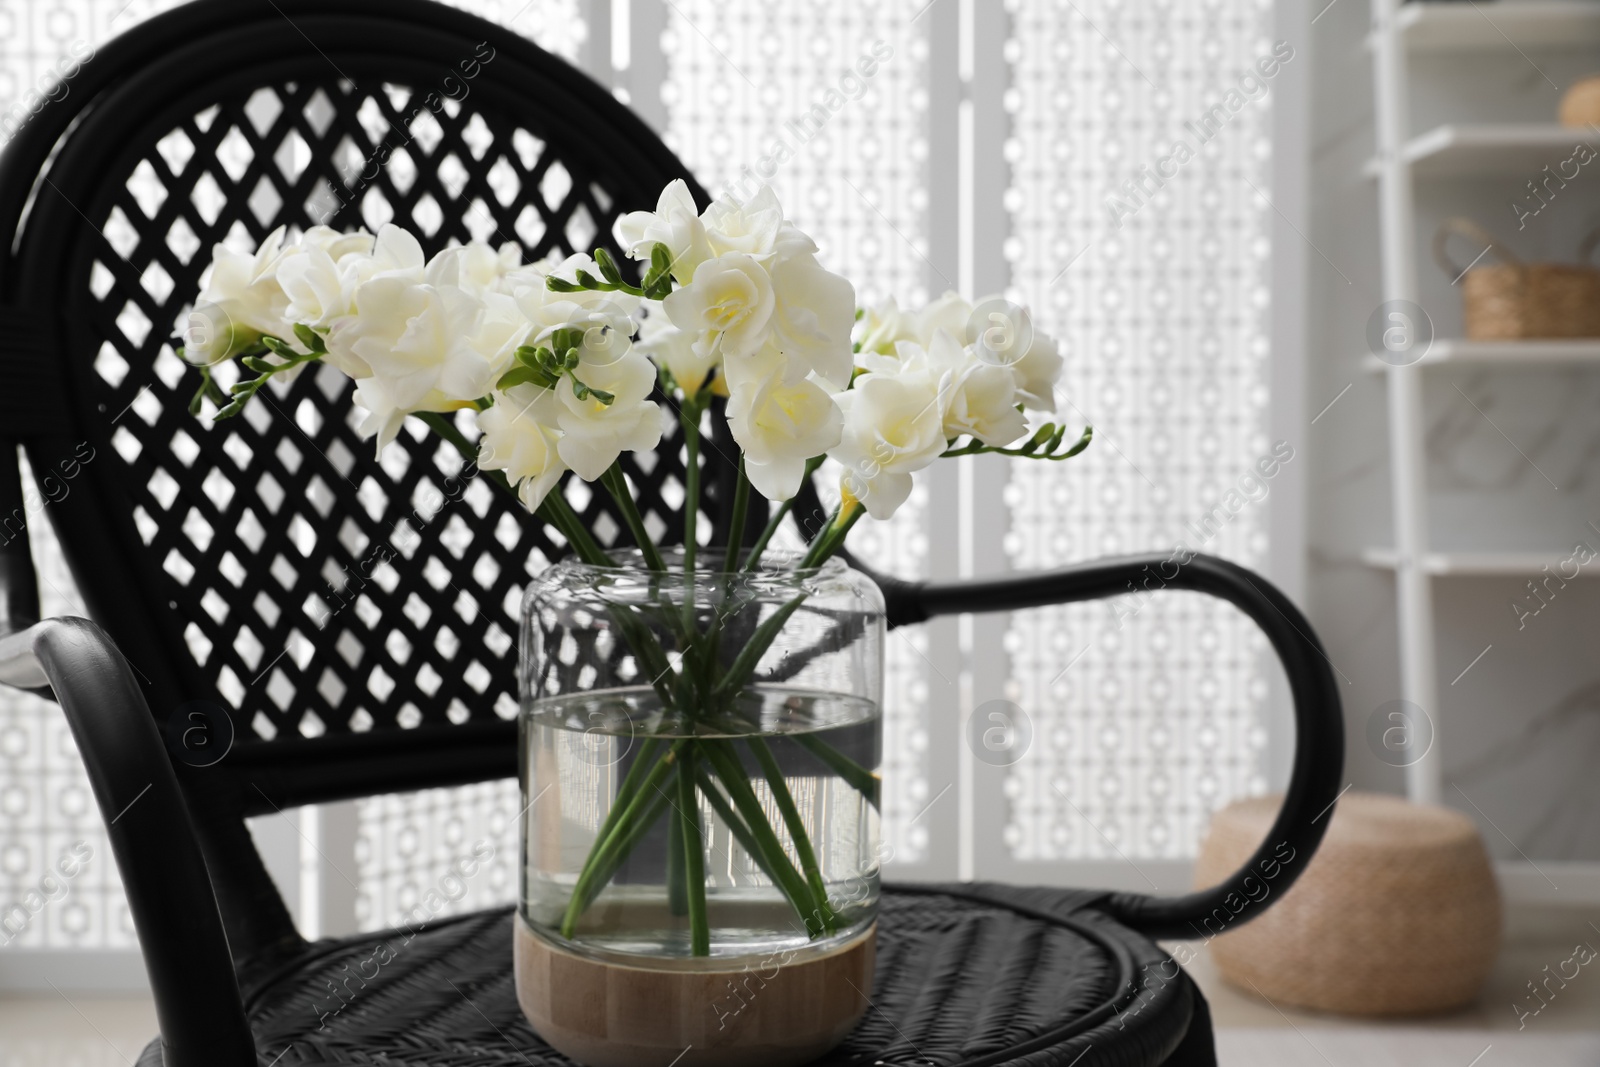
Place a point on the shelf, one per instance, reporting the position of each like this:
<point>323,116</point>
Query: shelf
<point>1514,148</point>
<point>1434,27</point>
<point>1453,351</point>
<point>1481,564</point>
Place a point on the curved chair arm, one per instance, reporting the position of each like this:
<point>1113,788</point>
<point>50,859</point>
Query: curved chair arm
<point>174,911</point>
<point>1318,715</point>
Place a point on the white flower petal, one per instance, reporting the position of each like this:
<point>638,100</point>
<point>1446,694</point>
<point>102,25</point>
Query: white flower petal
<point>730,297</point>
<point>779,426</point>
<point>814,310</point>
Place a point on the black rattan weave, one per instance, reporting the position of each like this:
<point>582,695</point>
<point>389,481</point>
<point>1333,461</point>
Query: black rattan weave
<point>962,979</point>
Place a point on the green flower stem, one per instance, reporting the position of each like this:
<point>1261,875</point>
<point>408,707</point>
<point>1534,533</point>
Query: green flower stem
<point>709,652</point>
<point>563,520</point>
<point>582,541</point>
<point>630,785</point>
<point>815,548</point>
<point>689,417</point>
<point>797,827</point>
<point>741,506</point>
<point>754,559</point>
<point>614,480</point>
<point>731,772</point>
<point>828,541</point>
<point>736,827</point>
<point>629,838</point>
<point>694,858</point>
<point>1041,446</point>
<point>243,391</point>
<point>728,770</point>
<point>209,390</point>
<point>777,519</point>
<point>647,650</point>
<point>677,889</point>
<point>644,765</point>
<point>744,664</point>
<point>856,776</point>
<point>609,849</point>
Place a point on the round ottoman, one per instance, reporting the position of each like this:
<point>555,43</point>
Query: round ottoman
<point>1398,912</point>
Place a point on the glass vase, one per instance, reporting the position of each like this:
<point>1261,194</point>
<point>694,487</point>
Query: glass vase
<point>699,756</point>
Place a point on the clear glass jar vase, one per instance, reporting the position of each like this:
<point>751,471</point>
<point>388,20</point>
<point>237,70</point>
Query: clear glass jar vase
<point>699,760</point>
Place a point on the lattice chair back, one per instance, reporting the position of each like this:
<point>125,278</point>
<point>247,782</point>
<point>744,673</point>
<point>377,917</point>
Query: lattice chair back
<point>273,563</point>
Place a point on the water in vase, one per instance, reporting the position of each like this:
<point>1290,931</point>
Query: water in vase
<point>578,754</point>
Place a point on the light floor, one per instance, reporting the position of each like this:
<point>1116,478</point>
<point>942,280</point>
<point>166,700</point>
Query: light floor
<point>95,1031</point>
<point>1252,1032</point>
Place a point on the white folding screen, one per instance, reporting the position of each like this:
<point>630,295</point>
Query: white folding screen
<point>958,143</point>
<point>48,815</point>
<point>1148,713</point>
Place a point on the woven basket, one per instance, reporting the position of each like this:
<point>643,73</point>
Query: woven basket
<point>1398,912</point>
<point>1512,300</point>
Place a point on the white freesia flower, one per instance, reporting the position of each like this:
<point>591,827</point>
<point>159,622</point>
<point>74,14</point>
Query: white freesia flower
<point>418,342</point>
<point>501,329</point>
<point>1013,341</point>
<point>751,227</point>
<point>520,437</point>
<point>594,433</point>
<point>675,223</point>
<point>882,327</point>
<point>1037,372</point>
<point>318,275</point>
<point>779,424</point>
<point>240,301</point>
<point>689,360</point>
<point>487,270</point>
<point>337,243</point>
<point>950,312</point>
<point>893,427</point>
<point>316,293</point>
<point>1036,368</point>
<point>395,252</point>
<point>793,241</point>
<point>978,399</point>
<point>731,299</point>
<point>813,312</point>
<point>395,255</point>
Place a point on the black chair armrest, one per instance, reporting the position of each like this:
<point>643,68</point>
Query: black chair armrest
<point>1318,715</point>
<point>174,910</point>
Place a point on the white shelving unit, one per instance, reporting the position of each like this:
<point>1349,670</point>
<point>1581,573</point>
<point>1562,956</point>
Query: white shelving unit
<point>1405,160</point>
<point>1459,352</point>
<point>1428,27</point>
<point>1469,150</point>
<point>1480,564</point>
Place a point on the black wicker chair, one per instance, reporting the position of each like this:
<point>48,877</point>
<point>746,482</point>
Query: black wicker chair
<point>203,549</point>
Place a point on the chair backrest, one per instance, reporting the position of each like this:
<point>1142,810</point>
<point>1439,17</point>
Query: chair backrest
<point>354,614</point>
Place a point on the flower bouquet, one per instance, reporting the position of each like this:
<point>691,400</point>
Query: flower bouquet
<point>700,727</point>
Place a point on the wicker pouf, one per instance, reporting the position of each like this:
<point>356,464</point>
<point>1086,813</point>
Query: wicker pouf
<point>1398,912</point>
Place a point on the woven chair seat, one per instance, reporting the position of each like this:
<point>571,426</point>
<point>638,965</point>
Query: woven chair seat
<point>972,976</point>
